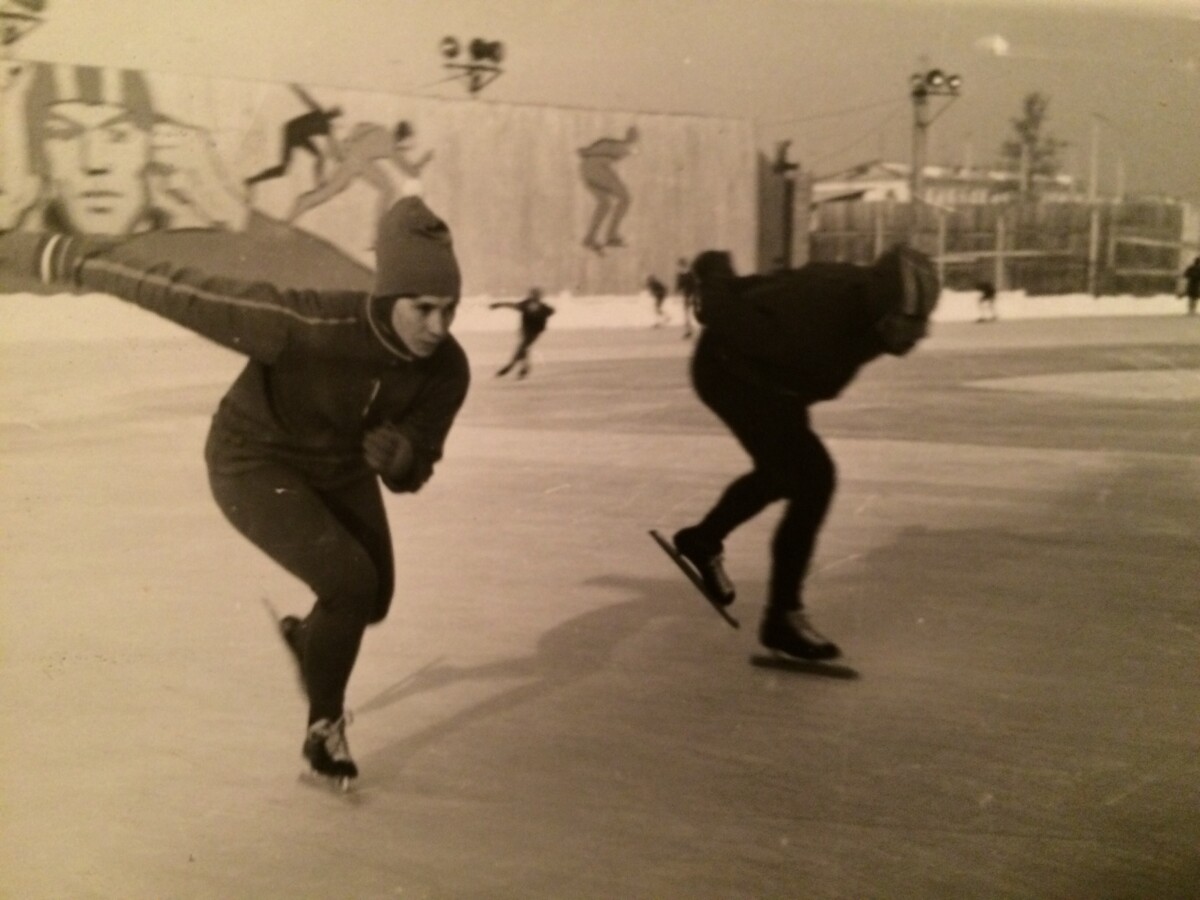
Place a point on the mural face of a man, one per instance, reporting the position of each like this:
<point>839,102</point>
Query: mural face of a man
<point>97,157</point>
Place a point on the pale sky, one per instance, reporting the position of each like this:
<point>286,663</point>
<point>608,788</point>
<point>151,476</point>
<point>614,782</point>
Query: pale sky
<point>830,75</point>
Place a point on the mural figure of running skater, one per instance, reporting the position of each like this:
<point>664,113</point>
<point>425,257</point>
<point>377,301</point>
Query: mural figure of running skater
<point>301,133</point>
<point>597,167</point>
<point>360,155</point>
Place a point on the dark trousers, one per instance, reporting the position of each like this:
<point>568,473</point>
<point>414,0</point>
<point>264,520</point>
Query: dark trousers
<point>335,540</point>
<point>521,354</point>
<point>790,463</point>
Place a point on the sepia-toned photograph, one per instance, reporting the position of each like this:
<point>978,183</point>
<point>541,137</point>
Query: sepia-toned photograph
<point>600,449</point>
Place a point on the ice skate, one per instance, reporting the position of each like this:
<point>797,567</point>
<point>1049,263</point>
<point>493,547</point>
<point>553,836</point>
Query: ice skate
<point>709,563</point>
<point>791,634</point>
<point>710,581</point>
<point>328,754</point>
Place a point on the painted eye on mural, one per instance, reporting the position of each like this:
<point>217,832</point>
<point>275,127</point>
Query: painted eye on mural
<point>57,129</point>
<point>119,134</point>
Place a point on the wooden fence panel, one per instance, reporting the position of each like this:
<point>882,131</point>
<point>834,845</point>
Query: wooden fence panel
<point>1042,248</point>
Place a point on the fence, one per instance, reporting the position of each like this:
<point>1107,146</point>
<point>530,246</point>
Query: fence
<point>1043,248</point>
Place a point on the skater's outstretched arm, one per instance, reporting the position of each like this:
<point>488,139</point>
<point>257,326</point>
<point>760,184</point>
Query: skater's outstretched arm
<point>256,319</point>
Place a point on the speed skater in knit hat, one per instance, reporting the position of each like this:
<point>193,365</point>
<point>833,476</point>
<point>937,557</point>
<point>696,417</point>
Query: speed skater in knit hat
<point>771,347</point>
<point>342,391</point>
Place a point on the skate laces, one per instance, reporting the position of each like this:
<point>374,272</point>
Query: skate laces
<point>332,735</point>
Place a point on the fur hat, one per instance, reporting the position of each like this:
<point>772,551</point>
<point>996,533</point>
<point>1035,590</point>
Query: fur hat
<point>414,253</point>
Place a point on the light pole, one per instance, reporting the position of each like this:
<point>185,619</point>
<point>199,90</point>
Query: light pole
<point>483,64</point>
<point>922,86</point>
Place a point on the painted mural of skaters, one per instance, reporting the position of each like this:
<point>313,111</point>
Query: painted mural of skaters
<point>342,390</point>
<point>361,155</point>
<point>301,134</point>
<point>685,287</point>
<point>658,294</point>
<point>598,169</point>
<point>535,313</point>
<point>771,347</point>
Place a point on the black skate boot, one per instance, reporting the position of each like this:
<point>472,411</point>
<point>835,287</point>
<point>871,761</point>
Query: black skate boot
<point>709,563</point>
<point>790,633</point>
<point>327,752</point>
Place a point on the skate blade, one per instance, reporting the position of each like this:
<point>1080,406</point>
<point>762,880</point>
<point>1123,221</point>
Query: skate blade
<point>693,576</point>
<point>773,659</point>
<point>340,785</point>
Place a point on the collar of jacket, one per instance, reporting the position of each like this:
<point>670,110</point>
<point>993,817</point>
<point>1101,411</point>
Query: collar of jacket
<point>379,315</point>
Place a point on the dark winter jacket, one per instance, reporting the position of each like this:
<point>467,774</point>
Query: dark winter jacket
<point>804,332</point>
<point>324,367</point>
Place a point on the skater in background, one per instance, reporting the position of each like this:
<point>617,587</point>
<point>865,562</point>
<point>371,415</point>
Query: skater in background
<point>987,301</point>
<point>535,313</point>
<point>342,390</point>
<point>685,287</point>
<point>773,345</point>
<point>658,293</point>
<point>1191,290</point>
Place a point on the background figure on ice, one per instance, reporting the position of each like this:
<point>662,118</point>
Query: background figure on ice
<point>342,389</point>
<point>773,345</point>
<point>658,293</point>
<point>599,159</point>
<point>685,287</point>
<point>1191,290</point>
<point>534,315</point>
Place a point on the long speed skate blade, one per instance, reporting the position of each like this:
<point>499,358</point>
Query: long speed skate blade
<point>694,577</point>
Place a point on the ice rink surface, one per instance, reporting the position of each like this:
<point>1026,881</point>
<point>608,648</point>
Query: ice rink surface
<point>1012,566</point>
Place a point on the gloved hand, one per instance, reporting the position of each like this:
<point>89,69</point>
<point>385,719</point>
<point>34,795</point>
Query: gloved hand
<point>388,452</point>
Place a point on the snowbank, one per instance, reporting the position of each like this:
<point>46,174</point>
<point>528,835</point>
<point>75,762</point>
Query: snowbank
<point>29,317</point>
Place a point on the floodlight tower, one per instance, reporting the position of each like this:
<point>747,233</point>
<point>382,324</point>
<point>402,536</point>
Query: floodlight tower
<point>922,86</point>
<point>483,64</point>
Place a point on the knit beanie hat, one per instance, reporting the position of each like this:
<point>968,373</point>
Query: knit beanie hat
<point>414,253</point>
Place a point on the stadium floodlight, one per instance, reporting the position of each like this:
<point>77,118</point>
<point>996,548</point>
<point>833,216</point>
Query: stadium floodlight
<point>922,86</point>
<point>483,65</point>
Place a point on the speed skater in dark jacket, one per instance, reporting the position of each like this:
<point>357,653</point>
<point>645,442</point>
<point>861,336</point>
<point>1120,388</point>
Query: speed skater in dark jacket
<point>342,389</point>
<point>535,313</point>
<point>772,346</point>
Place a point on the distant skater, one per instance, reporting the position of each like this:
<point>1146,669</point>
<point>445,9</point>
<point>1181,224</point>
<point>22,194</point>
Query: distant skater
<point>658,293</point>
<point>685,287</point>
<point>987,301</point>
<point>534,315</point>
<point>342,390</point>
<point>771,347</point>
<point>1191,290</point>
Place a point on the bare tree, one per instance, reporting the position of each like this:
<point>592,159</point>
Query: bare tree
<point>1032,151</point>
